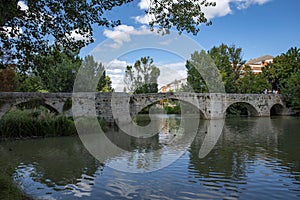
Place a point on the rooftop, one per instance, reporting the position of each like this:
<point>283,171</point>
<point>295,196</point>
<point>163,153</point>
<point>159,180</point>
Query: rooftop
<point>260,59</point>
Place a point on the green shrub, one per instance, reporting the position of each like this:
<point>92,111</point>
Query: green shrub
<point>37,122</point>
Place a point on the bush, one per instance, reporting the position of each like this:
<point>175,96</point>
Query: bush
<point>35,123</point>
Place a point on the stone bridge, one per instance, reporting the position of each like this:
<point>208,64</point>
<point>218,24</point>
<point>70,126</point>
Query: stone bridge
<point>122,106</point>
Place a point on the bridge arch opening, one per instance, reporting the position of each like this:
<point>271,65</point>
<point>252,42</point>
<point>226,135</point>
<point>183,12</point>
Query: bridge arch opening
<point>166,106</point>
<point>36,103</point>
<point>241,109</point>
<point>276,110</point>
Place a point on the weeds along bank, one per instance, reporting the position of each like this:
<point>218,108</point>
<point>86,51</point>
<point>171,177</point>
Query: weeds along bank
<point>39,122</point>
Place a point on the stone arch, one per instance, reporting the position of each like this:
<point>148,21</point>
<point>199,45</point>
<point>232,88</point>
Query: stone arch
<point>251,109</point>
<point>155,101</point>
<point>34,103</point>
<point>277,109</point>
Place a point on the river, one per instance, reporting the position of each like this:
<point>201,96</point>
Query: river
<point>251,158</point>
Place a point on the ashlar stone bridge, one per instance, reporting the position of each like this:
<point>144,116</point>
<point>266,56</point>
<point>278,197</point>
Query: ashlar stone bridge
<point>121,106</point>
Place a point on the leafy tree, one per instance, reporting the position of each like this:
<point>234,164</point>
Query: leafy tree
<point>284,74</point>
<point>24,33</point>
<point>283,67</point>
<point>228,60</point>
<point>202,74</point>
<point>92,75</point>
<point>32,83</point>
<point>252,83</point>
<point>53,72</point>
<point>292,91</point>
<point>142,76</point>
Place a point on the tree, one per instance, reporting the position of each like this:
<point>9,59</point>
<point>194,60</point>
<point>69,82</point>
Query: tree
<point>292,92</point>
<point>284,74</point>
<point>142,76</point>
<point>252,83</point>
<point>228,60</point>
<point>32,30</point>
<point>203,75</point>
<point>92,76</point>
<point>52,72</point>
<point>282,67</point>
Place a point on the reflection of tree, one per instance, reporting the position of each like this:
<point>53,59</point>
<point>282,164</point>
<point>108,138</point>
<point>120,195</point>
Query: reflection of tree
<point>61,160</point>
<point>227,161</point>
<point>244,142</point>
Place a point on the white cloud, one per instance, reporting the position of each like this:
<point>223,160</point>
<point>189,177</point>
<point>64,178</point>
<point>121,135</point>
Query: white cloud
<point>222,8</point>
<point>144,19</point>
<point>22,5</point>
<point>144,4</point>
<point>168,73</point>
<point>171,72</point>
<point>123,33</point>
<point>243,4</point>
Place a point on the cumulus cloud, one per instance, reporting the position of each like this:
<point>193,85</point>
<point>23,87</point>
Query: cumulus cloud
<point>123,33</point>
<point>144,19</point>
<point>144,4</point>
<point>222,8</point>
<point>168,73</point>
<point>171,72</point>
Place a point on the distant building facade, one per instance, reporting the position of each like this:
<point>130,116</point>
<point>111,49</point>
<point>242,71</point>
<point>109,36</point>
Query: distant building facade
<point>258,64</point>
<point>173,86</point>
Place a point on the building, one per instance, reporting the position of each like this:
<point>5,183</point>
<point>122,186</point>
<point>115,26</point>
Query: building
<point>173,86</point>
<point>258,64</point>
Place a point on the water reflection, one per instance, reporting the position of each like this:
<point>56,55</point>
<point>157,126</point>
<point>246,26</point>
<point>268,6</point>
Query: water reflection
<point>252,158</point>
<point>251,153</point>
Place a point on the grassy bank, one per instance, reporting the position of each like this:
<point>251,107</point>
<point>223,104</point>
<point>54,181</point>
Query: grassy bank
<point>35,123</point>
<point>8,189</point>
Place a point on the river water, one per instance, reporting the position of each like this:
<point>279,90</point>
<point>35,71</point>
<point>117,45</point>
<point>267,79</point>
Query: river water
<point>251,158</point>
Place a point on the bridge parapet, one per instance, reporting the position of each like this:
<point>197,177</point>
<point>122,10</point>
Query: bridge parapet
<point>122,106</point>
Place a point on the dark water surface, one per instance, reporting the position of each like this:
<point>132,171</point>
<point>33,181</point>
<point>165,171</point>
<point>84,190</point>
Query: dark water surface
<point>254,158</point>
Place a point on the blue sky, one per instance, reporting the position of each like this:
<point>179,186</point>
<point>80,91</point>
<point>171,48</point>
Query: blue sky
<point>260,27</point>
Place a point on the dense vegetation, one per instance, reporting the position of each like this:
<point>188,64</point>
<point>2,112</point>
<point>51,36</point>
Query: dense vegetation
<point>35,123</point>
<point>283,75</point>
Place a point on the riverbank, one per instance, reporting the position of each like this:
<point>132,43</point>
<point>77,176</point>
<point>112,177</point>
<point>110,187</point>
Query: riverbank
<point>8,188</point>
<point>37,123</point>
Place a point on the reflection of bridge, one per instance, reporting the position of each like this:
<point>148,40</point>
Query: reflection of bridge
<point>211,105</point>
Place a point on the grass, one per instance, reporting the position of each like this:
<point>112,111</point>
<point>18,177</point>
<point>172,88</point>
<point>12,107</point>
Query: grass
<point>35,123</point>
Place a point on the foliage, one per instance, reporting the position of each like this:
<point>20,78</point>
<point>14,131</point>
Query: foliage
<point>142,76</point>
<point>35,123</point>
<point>56,72</point>
<point>228,60</point>
<point>68,23</point>
<point>184,15</point>
<point>8,80</point>
<point>202,71</point>
<point>52,72</point>
<point>31,83</point>
<point>8,188</point>
<point>283,73</point>
<point>252,83</point>
<point>172,107</point>
<point>283,67</point>
<point>292,91</point>
<point>92,76</point>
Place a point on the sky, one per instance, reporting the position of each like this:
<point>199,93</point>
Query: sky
<point>259,27</point>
